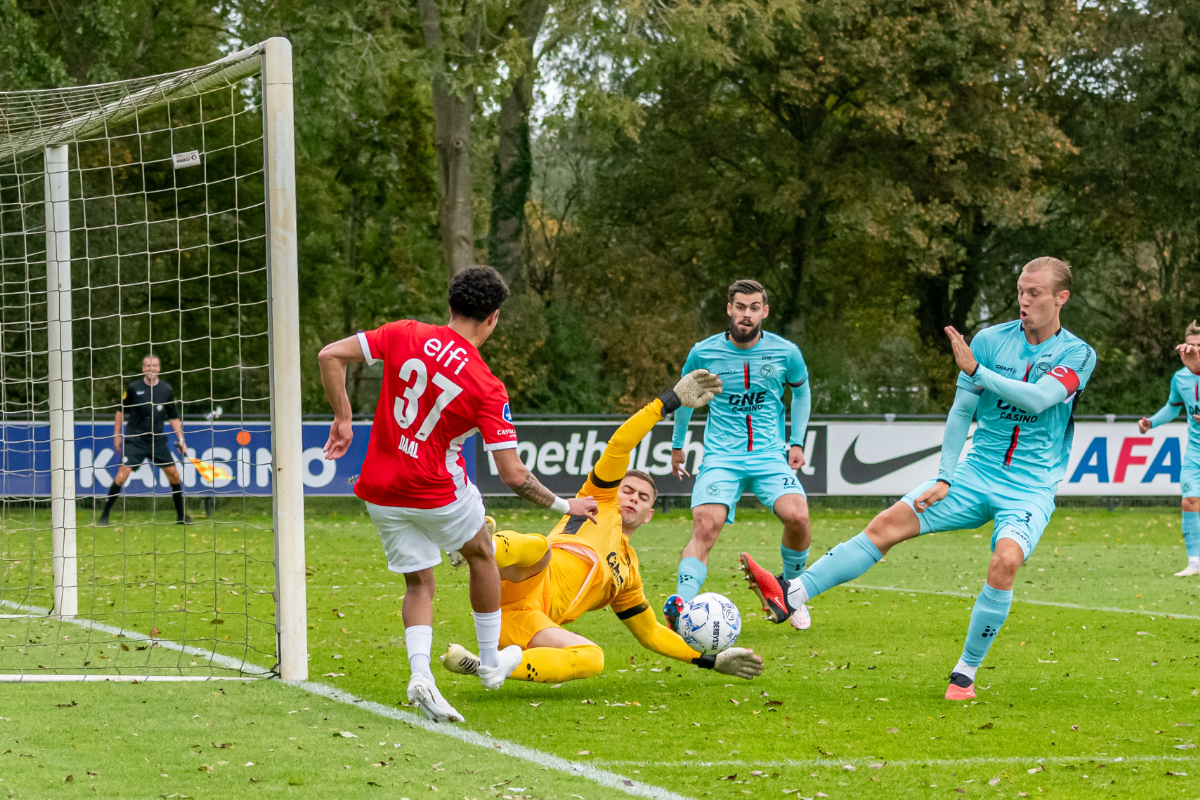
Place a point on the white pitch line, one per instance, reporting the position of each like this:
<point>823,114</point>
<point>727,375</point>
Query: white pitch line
<point>589,771</point>
<point>912,762</point>
<point>216,658</point>
<point>1016,599</point>
<point>610,780</point>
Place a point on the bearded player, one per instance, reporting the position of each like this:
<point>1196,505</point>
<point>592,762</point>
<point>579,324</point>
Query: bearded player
<point>436,392</point>
<point>1185,396</point>
<point>744,444</point>
<point>1021,380</point>
<point>550,581</point>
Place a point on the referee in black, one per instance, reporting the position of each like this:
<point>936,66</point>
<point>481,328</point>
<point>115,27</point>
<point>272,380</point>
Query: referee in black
<point>146,403</point>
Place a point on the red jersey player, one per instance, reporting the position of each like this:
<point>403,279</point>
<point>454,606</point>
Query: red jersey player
<point>437,391</point>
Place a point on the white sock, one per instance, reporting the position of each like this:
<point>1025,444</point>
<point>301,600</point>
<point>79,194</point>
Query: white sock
<point>797,595</point>
<point>419,641</point>
<point>1194,561</point>
<point>965,669</point>
<point>487,632</point>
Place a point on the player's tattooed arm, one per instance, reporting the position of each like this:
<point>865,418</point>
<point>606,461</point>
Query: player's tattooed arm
<point>524,485</point>
<point>531,489</point>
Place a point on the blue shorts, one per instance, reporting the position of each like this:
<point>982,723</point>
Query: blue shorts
<point>1189,480</point>
<point>725,481</point>
<point>1019,512</point>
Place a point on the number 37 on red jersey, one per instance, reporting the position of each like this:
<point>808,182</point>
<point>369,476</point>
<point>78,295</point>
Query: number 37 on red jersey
<point>436,392</point>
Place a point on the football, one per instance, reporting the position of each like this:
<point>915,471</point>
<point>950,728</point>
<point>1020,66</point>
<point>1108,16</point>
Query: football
<point>710,623</point>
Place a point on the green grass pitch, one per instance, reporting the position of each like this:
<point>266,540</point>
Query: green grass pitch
<point>1078,697</point>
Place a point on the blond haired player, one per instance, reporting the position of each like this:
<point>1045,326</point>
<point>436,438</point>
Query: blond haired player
<point>1020,380</point>
<point>550,581</point>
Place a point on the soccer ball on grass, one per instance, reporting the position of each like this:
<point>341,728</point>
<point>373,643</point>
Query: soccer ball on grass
<point>710,623</point>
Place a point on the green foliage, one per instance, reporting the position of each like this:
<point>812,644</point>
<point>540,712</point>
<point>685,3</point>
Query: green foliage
<point>1128,205</point>
<point>885,168</point>
<point>366,175</point>
<point>855,158</point>
<point>549,358</point>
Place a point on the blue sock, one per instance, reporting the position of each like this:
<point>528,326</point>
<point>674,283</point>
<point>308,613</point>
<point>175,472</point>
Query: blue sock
<point>989,613</point>
<point>692,573</point>
<point>793,562</point>
<point>1191,533</point>
<point>843,563</point>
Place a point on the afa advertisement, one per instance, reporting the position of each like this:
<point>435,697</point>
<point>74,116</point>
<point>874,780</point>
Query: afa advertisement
<point>843,458</point>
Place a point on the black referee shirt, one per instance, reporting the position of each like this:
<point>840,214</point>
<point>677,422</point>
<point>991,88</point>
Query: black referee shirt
<point>147,407</point>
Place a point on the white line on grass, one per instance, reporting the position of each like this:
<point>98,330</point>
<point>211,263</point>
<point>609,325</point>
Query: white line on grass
<point>589,772</point>
<point>607,779</point>
<point>912,762</point>
<point>1016,599</point>
<point>216,658</point>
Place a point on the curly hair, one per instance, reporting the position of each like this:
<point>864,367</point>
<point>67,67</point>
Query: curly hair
<point>476,292</point>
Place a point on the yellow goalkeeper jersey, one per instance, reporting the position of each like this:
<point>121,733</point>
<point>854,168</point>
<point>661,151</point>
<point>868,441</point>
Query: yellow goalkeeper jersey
<point>606,572</point>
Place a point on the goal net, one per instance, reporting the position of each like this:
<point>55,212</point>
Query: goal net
<point>151,217</point>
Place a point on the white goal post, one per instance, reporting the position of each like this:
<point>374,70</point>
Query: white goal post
<point>201,267</point>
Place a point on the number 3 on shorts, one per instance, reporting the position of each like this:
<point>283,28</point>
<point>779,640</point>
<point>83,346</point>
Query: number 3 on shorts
<point>405,409</point>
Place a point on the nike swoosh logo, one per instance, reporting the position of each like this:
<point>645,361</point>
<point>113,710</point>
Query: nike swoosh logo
<point>856,472</point>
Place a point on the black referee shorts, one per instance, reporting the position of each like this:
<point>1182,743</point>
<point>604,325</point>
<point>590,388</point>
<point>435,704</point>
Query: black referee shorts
<point>143,446</point>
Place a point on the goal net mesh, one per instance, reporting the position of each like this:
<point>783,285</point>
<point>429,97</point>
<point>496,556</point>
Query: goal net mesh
<point>167,256</point>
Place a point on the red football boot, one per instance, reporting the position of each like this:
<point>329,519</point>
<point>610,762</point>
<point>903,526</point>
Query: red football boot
<point>770,590</point>
<point>961,687</point>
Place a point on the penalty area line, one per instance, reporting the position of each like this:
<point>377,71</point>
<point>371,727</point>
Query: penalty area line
<point>878,763</point>
<point>1076,606</point>
<point>610,780</point>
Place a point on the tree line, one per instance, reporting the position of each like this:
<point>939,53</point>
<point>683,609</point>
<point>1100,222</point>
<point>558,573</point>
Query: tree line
<point>884,167</point>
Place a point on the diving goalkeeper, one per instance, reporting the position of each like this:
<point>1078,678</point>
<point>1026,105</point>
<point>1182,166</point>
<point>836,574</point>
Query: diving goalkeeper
<point>550,581</point>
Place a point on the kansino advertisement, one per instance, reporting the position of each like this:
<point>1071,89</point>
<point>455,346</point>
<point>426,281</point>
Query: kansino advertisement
<point>222,459</point>
<point>843,458</point>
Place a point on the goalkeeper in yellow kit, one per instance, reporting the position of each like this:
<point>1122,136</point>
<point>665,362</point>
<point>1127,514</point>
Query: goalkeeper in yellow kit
<point>550,581</point>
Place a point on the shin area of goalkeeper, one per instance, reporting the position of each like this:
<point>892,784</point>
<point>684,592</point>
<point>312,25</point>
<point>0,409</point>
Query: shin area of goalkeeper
<point>550,581</point>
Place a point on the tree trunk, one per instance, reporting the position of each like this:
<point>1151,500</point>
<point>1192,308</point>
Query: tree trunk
<point>452,139</point>
<point>514,159</point>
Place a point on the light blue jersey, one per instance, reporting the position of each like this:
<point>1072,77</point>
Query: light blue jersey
<point>1185,397</point>
<point>1019,456</point>
<point>1031,448</point>
<point>748,416</point>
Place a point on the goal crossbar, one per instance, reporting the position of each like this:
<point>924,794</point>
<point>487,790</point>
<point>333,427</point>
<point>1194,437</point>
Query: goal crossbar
<point>26,127</point>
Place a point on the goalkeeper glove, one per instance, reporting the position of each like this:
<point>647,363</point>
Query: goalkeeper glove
<point>694,390</point>
<point>739,662</point>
